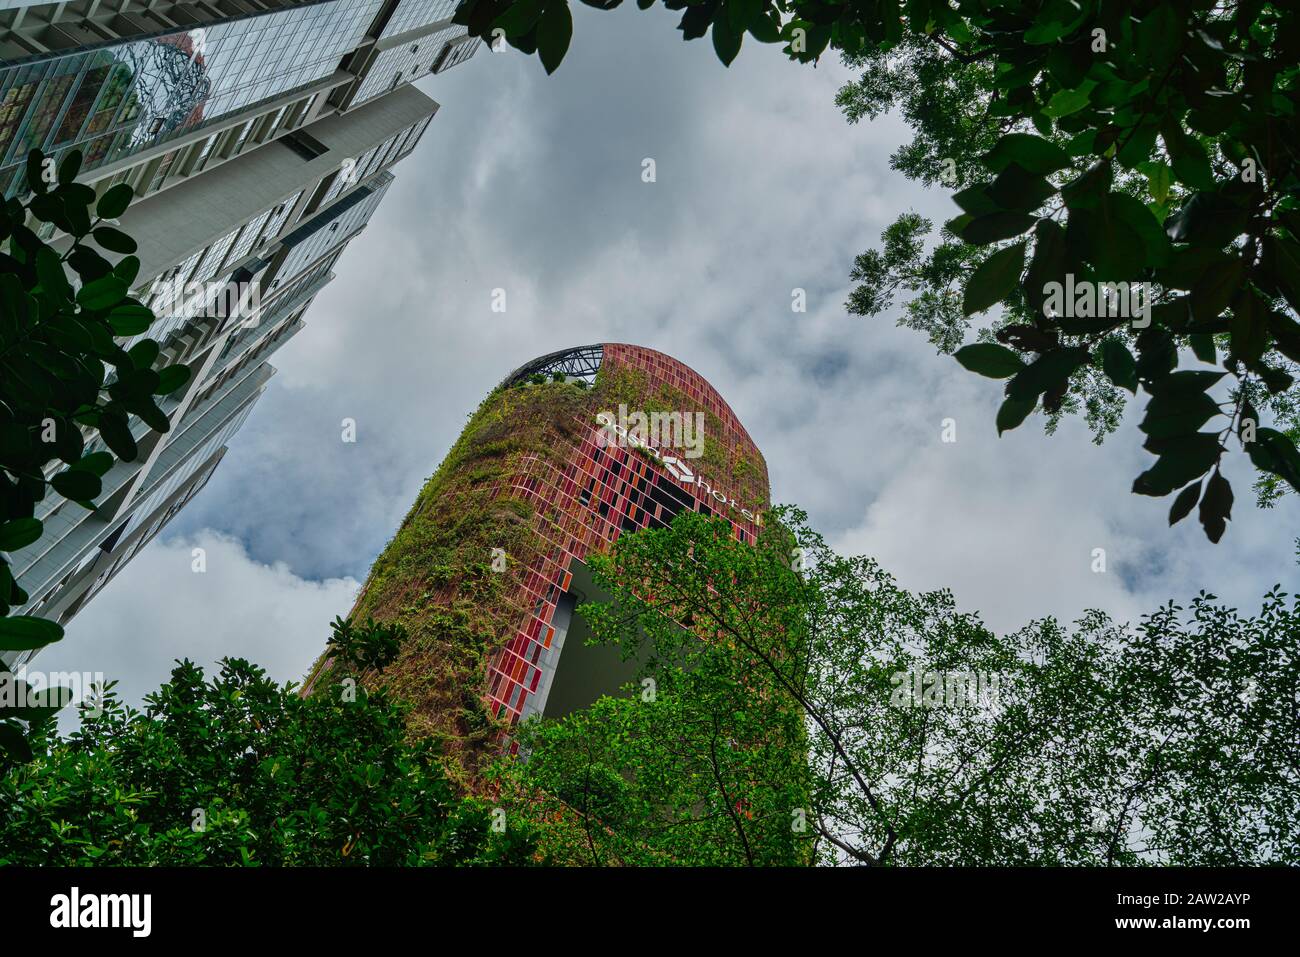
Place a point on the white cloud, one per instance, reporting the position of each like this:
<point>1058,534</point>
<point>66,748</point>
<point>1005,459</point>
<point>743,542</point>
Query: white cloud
<point>160,610</point>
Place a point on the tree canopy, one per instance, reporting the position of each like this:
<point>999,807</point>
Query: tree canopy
<point>1125,178</point>
<point>793,706</point>
<point>238,770</point>
<point>798,706</point>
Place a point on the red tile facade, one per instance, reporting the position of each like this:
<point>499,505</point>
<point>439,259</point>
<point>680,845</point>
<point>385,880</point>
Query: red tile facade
<point>602,490</point>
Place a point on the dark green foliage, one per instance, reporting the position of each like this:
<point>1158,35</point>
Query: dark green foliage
<point>1134,142</point>
<point>238,770</point>
<point>786,694</point>
<point>371,646</point>
<point>62,375</point>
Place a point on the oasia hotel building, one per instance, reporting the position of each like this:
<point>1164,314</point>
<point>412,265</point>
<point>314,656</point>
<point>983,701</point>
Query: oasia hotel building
<point>491,561</point>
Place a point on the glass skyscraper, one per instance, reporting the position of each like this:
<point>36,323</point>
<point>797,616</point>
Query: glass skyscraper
<point>258,137</point>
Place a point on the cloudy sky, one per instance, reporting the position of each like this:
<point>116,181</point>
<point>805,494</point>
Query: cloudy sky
<point>533,184</point>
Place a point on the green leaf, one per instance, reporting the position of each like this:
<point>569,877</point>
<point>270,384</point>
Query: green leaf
<point>989,359</point>
<point>1191,165</point>
<point>1186,382</point>
<point>1158,36</point>
<point>1217,287</point>
<point>1216,506</point>
<point>1203,347</point>
<point>36,171</point>
<point>1086,190</point>
<point>27,632</point>
<point>983,230</point>
<point>1034,153</point>
<point>1210,220</point>
<point>70,166</point>
<point>519,18</point>
<point>994,280</point>
<point>1183,504</point>
<point>114,240</point>
<point>1286,335</point>
<point>127,269</point>
<point>14,743</point>
<point>1047,265</point>
<point>114,202</point>
<point>1012,412</point>
<point>976,199</point>
<point>143,353</point>
<point>1172,415</point>
<point>130,319</point>
<point>1018,189</point>
<point>172,378</point>
<point>102,293</point>
<point>1285,257</point>
<point>114,431</point>
<point>40,704</point>
<point>1182,459</point>
<point>1049,371</point>
<point>726,37</point>
<point>1274,452</point>
<point>765,27</point>
<point>554,30</point>
<point>78,485</point>
<point>1065,102</point>
<point>1158,180</point>
<point>1119,365</point>
<point>1138,145</point>
<point>96,463</point>
<point>19,533</point>
<point>50,274</point>
<point>150,413</point>
<point>1113,245</point>
<point>1248,325</point>
<point>1157,354</point>
<point>1126,209</point>
<point>1057,19</point>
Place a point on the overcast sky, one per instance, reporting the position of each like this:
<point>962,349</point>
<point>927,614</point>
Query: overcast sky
<point>533,184</point>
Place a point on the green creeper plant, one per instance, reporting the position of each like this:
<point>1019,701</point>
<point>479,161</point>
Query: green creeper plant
<point>369,646</point>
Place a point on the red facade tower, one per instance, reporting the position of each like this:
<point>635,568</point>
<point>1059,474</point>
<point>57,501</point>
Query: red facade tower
<point>570,451</point>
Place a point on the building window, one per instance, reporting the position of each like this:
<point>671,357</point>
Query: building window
<point>243,137</point>
<point>163,169</point>
<point>206,151</point>
<point>304,144</point>
<point>275,123</point>
<point>306,109</point>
